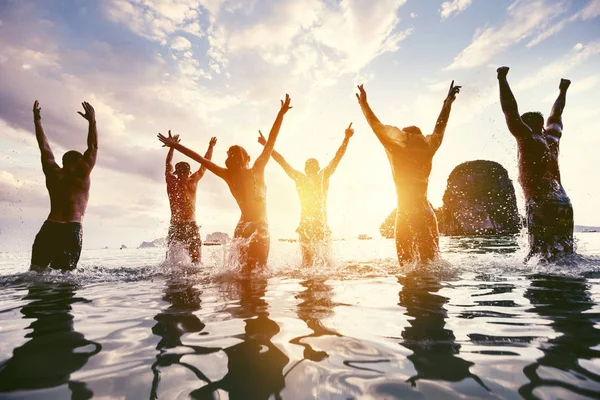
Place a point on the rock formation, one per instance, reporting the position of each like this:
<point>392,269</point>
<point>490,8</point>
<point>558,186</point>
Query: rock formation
<point>217,237</point>
<point>479,200</point>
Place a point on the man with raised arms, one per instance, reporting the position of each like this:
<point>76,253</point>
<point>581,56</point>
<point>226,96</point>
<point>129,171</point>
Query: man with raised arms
<point>548,208</point>
<point>312,187</point>
<point>58,243</point>
<point>181,189</point>
<point>410,154</point>
<point>247,185</point>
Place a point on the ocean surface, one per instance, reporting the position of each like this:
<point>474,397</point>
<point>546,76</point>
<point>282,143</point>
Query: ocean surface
<point>479,324</point>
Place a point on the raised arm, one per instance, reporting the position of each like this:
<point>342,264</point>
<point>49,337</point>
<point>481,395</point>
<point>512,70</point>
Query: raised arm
<point>378,128</point>
<point>48,162</point>
<point>330,169</point>
<point>214,168</point>
<point>516,126</point>
<point>291,172</point>
<point>554,124</point>
<point>89,157</point>
<point>169,161</point>
<point>200,173</point>
<point>435,139</point>
<point>261,161</point>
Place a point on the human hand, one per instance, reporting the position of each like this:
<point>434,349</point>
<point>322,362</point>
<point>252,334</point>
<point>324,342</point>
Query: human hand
<point>36,111</point>
<point>361,96</point>
<point>261,138</point>
<point>452,92</point>
<point>502,72</point>
<point>349,131</point>
<point>213,141</point>
<point>285,105</point>
<point>168,141</point>
<point>564,84</point>
<point>90,114</point>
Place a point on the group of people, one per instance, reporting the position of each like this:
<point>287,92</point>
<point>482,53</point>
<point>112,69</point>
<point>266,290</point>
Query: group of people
<point>410,153</point>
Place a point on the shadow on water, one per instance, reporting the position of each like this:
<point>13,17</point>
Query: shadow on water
<point>54,350</point>
<point>174,322</point>
<point>434,347</point>
<point>254,366</point>
<point>566,302</point>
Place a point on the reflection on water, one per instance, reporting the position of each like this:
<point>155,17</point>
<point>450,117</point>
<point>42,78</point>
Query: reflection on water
<point>488,326</point>
<point>254,366</point>
<point>566,302</point>
<point>54,350</point>
<point>315,306</point>
<point>173,323</point>
<point>435,352</point>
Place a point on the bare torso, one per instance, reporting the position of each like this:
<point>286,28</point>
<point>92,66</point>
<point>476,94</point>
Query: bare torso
<point>312,192</point>
<point>250,192</point>
<point>182,199</point>
<point>539,174</point>
<point>411,165</point>
<point>69,191</point>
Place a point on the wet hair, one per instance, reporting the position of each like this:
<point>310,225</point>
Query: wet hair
<point>182,168</point>
<point>71,157</point>
<point>413,130</point>
<point>311,166</point>
<point>237,156</point>
<point>534,120</point>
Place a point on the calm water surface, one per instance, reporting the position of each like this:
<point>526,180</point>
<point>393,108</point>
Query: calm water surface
<point>479,325</point>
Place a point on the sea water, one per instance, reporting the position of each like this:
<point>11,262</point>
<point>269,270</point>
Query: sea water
<point>478,324</point>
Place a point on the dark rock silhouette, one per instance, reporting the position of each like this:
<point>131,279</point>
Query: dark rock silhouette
<point>479,200</point>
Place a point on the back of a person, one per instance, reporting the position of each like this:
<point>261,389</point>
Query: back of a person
<point>69,191</point>
<point>182,199</point>
<point>312,192</point>
<point>539,174</point>
<point>250,192</point>
<point>411,168</point>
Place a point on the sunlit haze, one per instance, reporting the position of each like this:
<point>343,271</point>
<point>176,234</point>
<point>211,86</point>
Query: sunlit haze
<point>220,67</point>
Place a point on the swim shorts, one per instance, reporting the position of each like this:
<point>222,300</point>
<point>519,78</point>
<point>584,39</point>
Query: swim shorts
<point>57,245</point>
<point>550,227</point>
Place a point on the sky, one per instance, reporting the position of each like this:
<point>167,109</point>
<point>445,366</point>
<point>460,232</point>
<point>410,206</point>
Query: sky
<point>219,68</point>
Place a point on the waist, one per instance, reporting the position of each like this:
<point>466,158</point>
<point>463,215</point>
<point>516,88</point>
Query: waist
<point>178,224</point>
<point>55,222</point>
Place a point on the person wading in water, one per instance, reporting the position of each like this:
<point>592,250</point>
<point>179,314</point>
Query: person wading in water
<point>247,185</point>
<point>181,189</point>
<point>58,243</point>
<point>548,208</point>
<point>410,154</point>
<point>312,187</point>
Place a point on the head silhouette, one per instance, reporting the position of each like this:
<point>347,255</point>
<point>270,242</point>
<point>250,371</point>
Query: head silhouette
<point>311,167</point>
<point>534,120</point>
<point>237,157</point>
<point>182,169</point>
<point>413,130</point>
<point>70,158</point>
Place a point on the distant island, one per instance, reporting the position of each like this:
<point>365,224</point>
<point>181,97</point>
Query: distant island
<point>212,239</point>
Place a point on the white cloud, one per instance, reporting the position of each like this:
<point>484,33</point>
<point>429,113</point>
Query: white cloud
<point>180,43</point>
<point>590,11</point>
<point>523,19</point>
<point>453,7</point>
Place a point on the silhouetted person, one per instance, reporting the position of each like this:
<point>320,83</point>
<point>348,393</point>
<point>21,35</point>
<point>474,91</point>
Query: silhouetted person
<point>54,350</point>
<point>254,366</point>
<point>567,303</point>
<point>58,243</point>
<point>247,185</point>
<point>312,187</point>
<point>181,188</point>
<point>410,154</point>
<point>548,208</point>
<point>435,351</point>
